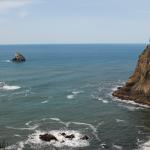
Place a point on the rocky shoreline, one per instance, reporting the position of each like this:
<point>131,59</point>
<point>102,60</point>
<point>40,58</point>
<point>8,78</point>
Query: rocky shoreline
<point>137,87</point>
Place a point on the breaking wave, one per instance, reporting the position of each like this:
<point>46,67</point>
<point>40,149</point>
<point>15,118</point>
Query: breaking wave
<point>145,146</point>
<point>73,94</point>
<point>34,142</point>
<point>4,86</point>
<point>133,105</point>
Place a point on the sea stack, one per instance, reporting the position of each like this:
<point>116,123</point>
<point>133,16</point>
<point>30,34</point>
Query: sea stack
<point>137,87</point>
<point>18,58</point>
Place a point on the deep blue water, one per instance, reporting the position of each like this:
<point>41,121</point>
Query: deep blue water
<point>68,87</point>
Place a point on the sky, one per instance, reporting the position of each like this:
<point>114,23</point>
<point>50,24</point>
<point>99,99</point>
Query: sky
<point>74,21</point>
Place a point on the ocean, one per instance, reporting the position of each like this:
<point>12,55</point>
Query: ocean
<point>67,88</point>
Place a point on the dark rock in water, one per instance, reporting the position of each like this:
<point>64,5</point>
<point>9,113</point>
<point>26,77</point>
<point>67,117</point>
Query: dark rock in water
<point>137,87</point>
<point>85,137</point>
<point>70,136</point>
<point>63,134</point>
<point>48,137</point>
<point>18,58</point>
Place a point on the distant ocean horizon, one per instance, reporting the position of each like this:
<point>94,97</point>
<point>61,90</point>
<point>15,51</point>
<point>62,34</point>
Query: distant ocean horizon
<point>67,88</point>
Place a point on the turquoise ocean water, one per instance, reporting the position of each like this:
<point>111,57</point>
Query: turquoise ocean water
<point>68,88</point>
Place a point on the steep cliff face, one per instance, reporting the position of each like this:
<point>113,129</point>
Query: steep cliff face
<point>137,87</point>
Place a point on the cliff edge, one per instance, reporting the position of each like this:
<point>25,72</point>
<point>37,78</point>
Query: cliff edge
<point>137,87</point>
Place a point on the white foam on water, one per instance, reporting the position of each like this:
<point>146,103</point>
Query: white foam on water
<point>92,127</point>
<point>29,127</point>
<point>104,101</point>
<point>119,120</point>
<point>34,139</point>
<point>145,146</point>
<point>17,135</point>
<point>100,99</point>
<point>11,147</point>
<point>44,102</point>
<point>60,121</point>
<point>6,61</point>
<point>36,143</point>
<point>117,147</point>
<point>70,96</point>
<point>134,104</point>
<point>28,123</point>
<point>7,87</point>
<point>55,119</point>
<point>4,86</point>
<point>75,92</point>
<point>20,145</point>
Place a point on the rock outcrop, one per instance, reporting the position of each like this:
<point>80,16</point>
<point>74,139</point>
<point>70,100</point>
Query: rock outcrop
<point>137,87</point>
<point>48,137</point>
<point>18,58</point>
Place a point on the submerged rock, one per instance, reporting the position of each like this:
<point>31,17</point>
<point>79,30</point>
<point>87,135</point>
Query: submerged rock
<point>70,136</point>
<point>137,87</point>
<point>85,137</point>
<point>18,58</point>
<point>48,137</point>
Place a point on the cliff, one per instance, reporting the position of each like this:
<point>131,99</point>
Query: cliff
<point>137,87</point>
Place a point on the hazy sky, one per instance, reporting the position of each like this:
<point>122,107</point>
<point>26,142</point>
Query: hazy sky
<point>74,21</point>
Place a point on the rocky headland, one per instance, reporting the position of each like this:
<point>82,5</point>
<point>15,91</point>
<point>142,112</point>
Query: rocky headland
<point>137,87</point>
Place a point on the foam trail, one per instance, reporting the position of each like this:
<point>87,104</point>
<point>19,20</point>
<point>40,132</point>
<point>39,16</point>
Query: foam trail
<point>28,123</point>
<point>117,147</point>
<point>44,102</point>
<point>136,105</point>
<point>104,101</point>
<point>119,120</point>
<point>6,61</point>
<point>75,92</point>
<point>55,119</point>
<point>17,135</point>
<point>70,96</point>
<point>30,128</point>
<point>4,86</point>
<point>7,87</point>
<point>93,128</point>
<point>100,99</point>
<point>60,121</point>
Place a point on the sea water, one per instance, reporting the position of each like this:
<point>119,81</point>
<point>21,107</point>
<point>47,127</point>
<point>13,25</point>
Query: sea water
<point>67,88</point>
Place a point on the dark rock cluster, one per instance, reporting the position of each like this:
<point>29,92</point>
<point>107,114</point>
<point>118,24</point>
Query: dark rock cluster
<point>49,137</point>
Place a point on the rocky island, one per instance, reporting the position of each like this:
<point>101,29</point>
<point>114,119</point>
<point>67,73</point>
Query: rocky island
<point>137,87</point>
<point>18,58</point>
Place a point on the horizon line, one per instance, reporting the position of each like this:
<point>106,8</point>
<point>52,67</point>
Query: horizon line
<point>70,43</point>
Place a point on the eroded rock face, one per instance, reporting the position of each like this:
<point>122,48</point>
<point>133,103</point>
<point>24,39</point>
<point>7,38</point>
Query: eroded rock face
<point>137,87</point>
<point>18,58</point>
